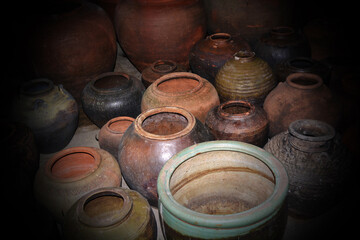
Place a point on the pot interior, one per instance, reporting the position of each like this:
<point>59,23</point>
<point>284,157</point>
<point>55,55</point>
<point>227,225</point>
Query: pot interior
<point>120,125</point>
<point>164,123</point>
<point>236,108</point>
<point>178,84</point>
<point>119,82</point>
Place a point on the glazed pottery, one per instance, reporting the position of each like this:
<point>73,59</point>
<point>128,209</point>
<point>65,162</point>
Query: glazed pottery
<point>223,190</point>
<point>110,213</point>
<point>239,121</point>
<point>210,54</point>
<point>149,30</point>
<point>302,96</point>
<point>316,163</point>
<point>49,110</point>
<point>110,134</point>
<point>110,95</point>
<point>245,77</point>
<point>282,43</point>
<point>158,69</point>
<point>154,137</point>
<point>70,174</point>
<point>185,90</point>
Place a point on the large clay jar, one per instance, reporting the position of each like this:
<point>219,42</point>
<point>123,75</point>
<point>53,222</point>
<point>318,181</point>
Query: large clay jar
<point>185,90</point>
<point>245,77</point>
<point>111,95</point>
<point>282,43</point>
<point>70,174</point>
<point>239,121</point>
<point>149,30</point>
<point>302,96</point>
<point>223,190</point>
<point>73,43</point>
<point>155,136</point>
<point>49,110</point>
<point>110,213</point>
<point>210,54</point>
<point>316,163</point>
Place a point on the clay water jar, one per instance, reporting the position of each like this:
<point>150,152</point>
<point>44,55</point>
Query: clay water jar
<point>223,190</point>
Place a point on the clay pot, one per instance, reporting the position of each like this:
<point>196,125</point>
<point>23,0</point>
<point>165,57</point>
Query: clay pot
<point>223,190</point>
<point>110,95</point>
<point>110,213</point>
<point>316,163</point>
<point>210,54</point>
<point>149,30</point>
<point>185,90</point>
<point>49,110</point>
<point>111,133</point>
<point>245,77</point>
<point>239,121</point>
<point>302,96</point>
<point>158,69</point>
<point>155,136</point>
<point>282,43</point>
<point>70,174</point>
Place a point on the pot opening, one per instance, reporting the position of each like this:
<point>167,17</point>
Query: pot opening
<point>220,37</point>
<point>113,82</point>
<point>164,66</point>
<point>304,81</point>
<point>178,85</point>
<point>36,87</point>
<point>164,123</point>
<point>120,125</point>
<point>236,108</point>
<point>282,31</point>
<point>311,130</point>
<point>301,63</point>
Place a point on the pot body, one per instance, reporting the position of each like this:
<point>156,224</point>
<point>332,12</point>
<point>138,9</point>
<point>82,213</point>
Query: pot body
<point>50,111</point>
<point>155,136</point>
<point>223,190</point>
<point>110,213</point>
<point>159,29</point>
<point>110,95</point>
<point>184,90</point>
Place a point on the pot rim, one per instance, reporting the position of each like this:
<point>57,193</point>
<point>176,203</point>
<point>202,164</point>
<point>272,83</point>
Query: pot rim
<point>117,119</point>
<point>170,63</point>
<point>241,103</point>
<point>27,84</point>
<point>318,82</point>
<point>110,90</point>
<point>295,126</point>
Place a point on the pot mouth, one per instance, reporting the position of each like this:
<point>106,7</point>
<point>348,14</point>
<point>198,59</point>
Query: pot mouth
<point>164,66</point>
<point>244,56</point>
<point>311,130</point>
<point>119,125</point>
<point>235,109</point>
<point>282,31</point>
<point>36,87</point>
<point>111,82</point>
<point>220,37</point>
<point>305,81</point>
<point>301,64</point>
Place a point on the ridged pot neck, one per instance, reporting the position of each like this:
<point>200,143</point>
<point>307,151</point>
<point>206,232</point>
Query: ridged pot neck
<point>119,125</point>
<point>37,87</point>
<point>219,39</point>
<point>111,82</point>
<point>244,56</point>
<point>304,81</point>
<point>163,66</point>
<point>282,32</point>
<point>235,110</point>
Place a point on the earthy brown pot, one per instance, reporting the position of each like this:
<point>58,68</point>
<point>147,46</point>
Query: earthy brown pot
<point>149,30</point>
<point>185,90</point>
<point>155,136</point>
<point>302,96</point>
<point>239,121</point>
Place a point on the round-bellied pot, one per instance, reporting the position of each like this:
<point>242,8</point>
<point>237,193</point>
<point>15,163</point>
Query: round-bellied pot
<point>110,95</point>
<point>184,90</point>
<point>239,121</point>
<point>316,163</point>
<point>223,190</point>
<point>154,137</point>
<point>110,213</point>
<point>49,110</point>
<point>70,174</point>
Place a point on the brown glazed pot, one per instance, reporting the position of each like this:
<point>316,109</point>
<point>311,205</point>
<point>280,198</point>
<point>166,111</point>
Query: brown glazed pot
<point>184,90</point>
<point>111,133</point>
<point>149,30</point>
<point>70,174</point>
<point>239,121</point>
<point>110,213</point>
<point>302,96</point>
<point>210,54</point>
<point>158,69</point>
<point>316,163</point>
<point>155,136</point>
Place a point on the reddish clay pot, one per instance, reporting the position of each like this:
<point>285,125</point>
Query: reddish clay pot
<point>155,136</point>
<point>149,30</point>
<point>239,121</point>
<point>185,90</point>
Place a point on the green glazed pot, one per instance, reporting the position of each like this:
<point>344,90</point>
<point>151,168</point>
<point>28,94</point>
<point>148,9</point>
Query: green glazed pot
<point>223,190</point>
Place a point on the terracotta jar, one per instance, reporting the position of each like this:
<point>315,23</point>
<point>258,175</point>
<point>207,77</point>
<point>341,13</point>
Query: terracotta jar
<point>111,133</point>
<point>302,96</point>
<point>49,110</point>
<point>185,90</point>
<point>149,30</point>
<point>155,136</point>
<point>110,213</point>
<point>158,69</point>
<point>210,54</point>
<point>70,174</point>
<point>110,95</point>
<point>239,121</point>
<point>316,163</point>
<point>223,190</point>
<point>245,77</point>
